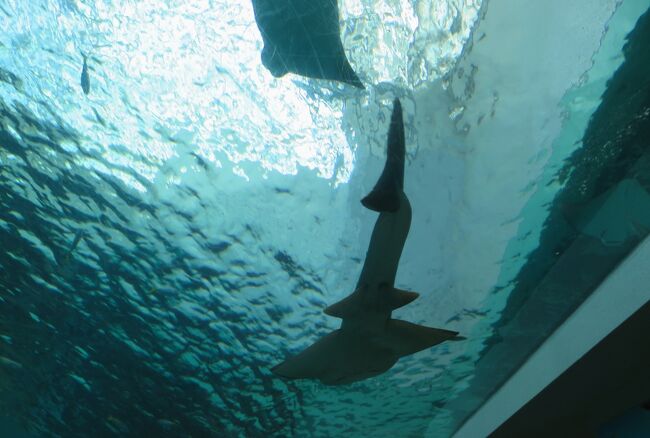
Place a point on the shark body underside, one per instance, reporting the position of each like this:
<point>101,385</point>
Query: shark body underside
<point>369,342</point>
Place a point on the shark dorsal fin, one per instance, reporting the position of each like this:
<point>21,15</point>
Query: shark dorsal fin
<point>390,299</point>
<point>398,298</point>
<point>345,307</point>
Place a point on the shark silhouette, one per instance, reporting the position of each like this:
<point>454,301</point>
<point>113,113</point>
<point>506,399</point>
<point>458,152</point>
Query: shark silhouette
<point>369,342</point>
<point>303,37</point>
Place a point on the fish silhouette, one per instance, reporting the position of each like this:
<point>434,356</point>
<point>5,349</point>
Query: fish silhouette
<point>85,77</point>
<point>303,37</point>
<point>369,342</point>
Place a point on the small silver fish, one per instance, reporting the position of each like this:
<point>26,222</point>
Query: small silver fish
<point>66,257</point>
<point>85,77</point>
<point>12,364</point>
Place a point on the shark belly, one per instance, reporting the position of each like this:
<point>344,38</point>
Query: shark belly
<point>385,249</point>
<point>350,358</point>
<point>375,284</point>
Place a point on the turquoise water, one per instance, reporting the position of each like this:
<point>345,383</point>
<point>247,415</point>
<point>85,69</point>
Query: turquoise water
<point>173,234</point>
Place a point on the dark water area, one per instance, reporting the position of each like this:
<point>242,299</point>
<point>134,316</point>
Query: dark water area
<point>64,316</point>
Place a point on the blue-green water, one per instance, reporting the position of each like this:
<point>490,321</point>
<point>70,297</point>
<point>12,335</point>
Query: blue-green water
<point>176,232</point>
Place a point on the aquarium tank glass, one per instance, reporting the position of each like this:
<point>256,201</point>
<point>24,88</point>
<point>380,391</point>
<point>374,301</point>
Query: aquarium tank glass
<point>177,210</point>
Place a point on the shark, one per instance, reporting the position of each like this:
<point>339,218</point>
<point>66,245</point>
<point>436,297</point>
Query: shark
<point>303,37</point>
<point>369,341</point>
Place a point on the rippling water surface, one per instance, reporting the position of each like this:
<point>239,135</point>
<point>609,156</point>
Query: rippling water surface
<point>172,235</point>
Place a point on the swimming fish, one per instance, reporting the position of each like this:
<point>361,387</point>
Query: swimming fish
<point>85,77</point>
<point>64,261</point>
<point>369,342</point>
<point>303,37</point>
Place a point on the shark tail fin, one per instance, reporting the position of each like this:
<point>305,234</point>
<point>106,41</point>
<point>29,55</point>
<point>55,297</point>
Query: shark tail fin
<point>385,195</point>
<point>406,338</point>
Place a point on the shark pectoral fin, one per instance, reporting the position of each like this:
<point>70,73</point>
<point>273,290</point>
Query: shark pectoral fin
<point>399,298</point>
<point>308,364</point>
<point>292,368</point>
<point>406,338</point>
<point>346,307</point>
